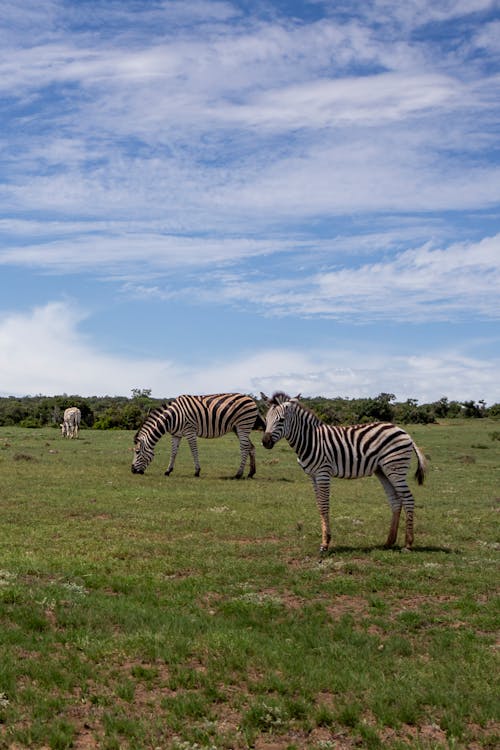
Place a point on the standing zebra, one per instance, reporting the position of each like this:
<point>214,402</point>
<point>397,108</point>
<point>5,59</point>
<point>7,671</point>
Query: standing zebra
<point>199,416</point>
<point>326,451</point>
<point>70,425</point>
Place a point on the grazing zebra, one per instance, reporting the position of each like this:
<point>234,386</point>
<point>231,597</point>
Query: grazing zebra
<point>326,451</point>
<point>199,416</point>
<point>71,422</point>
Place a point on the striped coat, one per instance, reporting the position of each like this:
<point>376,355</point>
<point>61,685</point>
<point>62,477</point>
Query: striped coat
<point>191,417</point>
<point>326,451</point>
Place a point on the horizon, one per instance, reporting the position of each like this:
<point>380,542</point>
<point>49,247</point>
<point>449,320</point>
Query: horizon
<point>393,401</point>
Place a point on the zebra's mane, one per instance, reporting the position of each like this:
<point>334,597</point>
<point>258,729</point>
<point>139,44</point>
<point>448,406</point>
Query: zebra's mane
<point>279,398</point>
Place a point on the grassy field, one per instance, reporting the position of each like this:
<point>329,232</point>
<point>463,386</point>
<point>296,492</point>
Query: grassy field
<point>152,612</point>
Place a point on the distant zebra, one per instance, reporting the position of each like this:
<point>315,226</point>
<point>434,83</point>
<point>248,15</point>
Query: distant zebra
<point>199,416</point>
<point>326,451</point>
<point>70,425</point>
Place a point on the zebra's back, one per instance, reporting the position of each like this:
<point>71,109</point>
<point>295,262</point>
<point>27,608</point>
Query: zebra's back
<point>215,414</point>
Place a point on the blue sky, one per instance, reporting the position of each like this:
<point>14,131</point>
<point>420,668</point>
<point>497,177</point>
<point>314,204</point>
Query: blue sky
<point>200,196</point>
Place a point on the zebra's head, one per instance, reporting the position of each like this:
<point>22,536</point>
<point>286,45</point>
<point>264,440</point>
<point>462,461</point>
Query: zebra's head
<point>280,406</point>
<point>143,454</point>
<point>156,424</point>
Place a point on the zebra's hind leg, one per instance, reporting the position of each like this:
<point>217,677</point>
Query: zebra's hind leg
<point>409,505</point>
<point>393,529</point>
<point>252,460</point>
<point>399,495</point>
<point>191,438</point>
<point>406,498</point>
<point>395,503</point>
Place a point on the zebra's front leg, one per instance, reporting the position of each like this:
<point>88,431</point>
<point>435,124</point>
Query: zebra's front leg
<point>176,439</point>
<point>252,461</point>
<point>322,492</point>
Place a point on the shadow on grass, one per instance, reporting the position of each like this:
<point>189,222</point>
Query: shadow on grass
<point>260,479</point>
<point>344,549</point>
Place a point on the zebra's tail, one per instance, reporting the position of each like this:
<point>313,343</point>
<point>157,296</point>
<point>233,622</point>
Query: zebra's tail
<point>422,465</point>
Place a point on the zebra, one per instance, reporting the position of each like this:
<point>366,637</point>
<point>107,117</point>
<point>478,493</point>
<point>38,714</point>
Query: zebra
<point>209,416</point>
<point>325,451</point>
<point>70,425</point>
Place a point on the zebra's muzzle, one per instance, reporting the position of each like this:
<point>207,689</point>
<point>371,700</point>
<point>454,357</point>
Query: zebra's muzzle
<point>137,471</point>
<point>267,440</point>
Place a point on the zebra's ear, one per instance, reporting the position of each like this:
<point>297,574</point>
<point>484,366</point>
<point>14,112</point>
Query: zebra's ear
<point>297,397</point>
<point>264,397</point>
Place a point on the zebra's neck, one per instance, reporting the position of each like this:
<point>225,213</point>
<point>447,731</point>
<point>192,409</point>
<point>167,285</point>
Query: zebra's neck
<point>299,428</point>
<point>155,426</point>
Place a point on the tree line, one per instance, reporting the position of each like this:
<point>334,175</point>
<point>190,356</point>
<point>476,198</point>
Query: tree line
<point>128,413</point>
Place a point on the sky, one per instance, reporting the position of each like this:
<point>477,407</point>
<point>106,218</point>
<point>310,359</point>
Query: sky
<point>200,196</point>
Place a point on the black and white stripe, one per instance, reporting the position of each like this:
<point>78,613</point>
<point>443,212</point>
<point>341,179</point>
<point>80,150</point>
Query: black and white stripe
<point>326,451</point>
<point>199,416</point>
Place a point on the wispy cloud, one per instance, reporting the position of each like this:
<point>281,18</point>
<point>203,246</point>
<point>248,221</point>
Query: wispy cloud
<point>424,284</point>
<point>420,284</point>
<point>330,103</point>
<point>124,254</point>
<point>186,123</point>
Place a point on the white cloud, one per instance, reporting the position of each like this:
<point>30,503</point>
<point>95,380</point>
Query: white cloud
<point>378,171</point>
<point>488,37</point>
<point>205,110</point>
<point>191,11</point>
<point>415,13</point>
<point>424,284</point>
<point>60,359</point>
<point>137,254</point>
<point>43,351</point>
<point>364,100</point>
<point>362,172</point>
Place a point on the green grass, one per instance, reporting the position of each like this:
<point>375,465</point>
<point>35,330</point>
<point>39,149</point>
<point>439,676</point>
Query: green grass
<point>146,611</point>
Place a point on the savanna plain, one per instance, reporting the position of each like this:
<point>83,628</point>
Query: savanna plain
<point>150,612</point>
